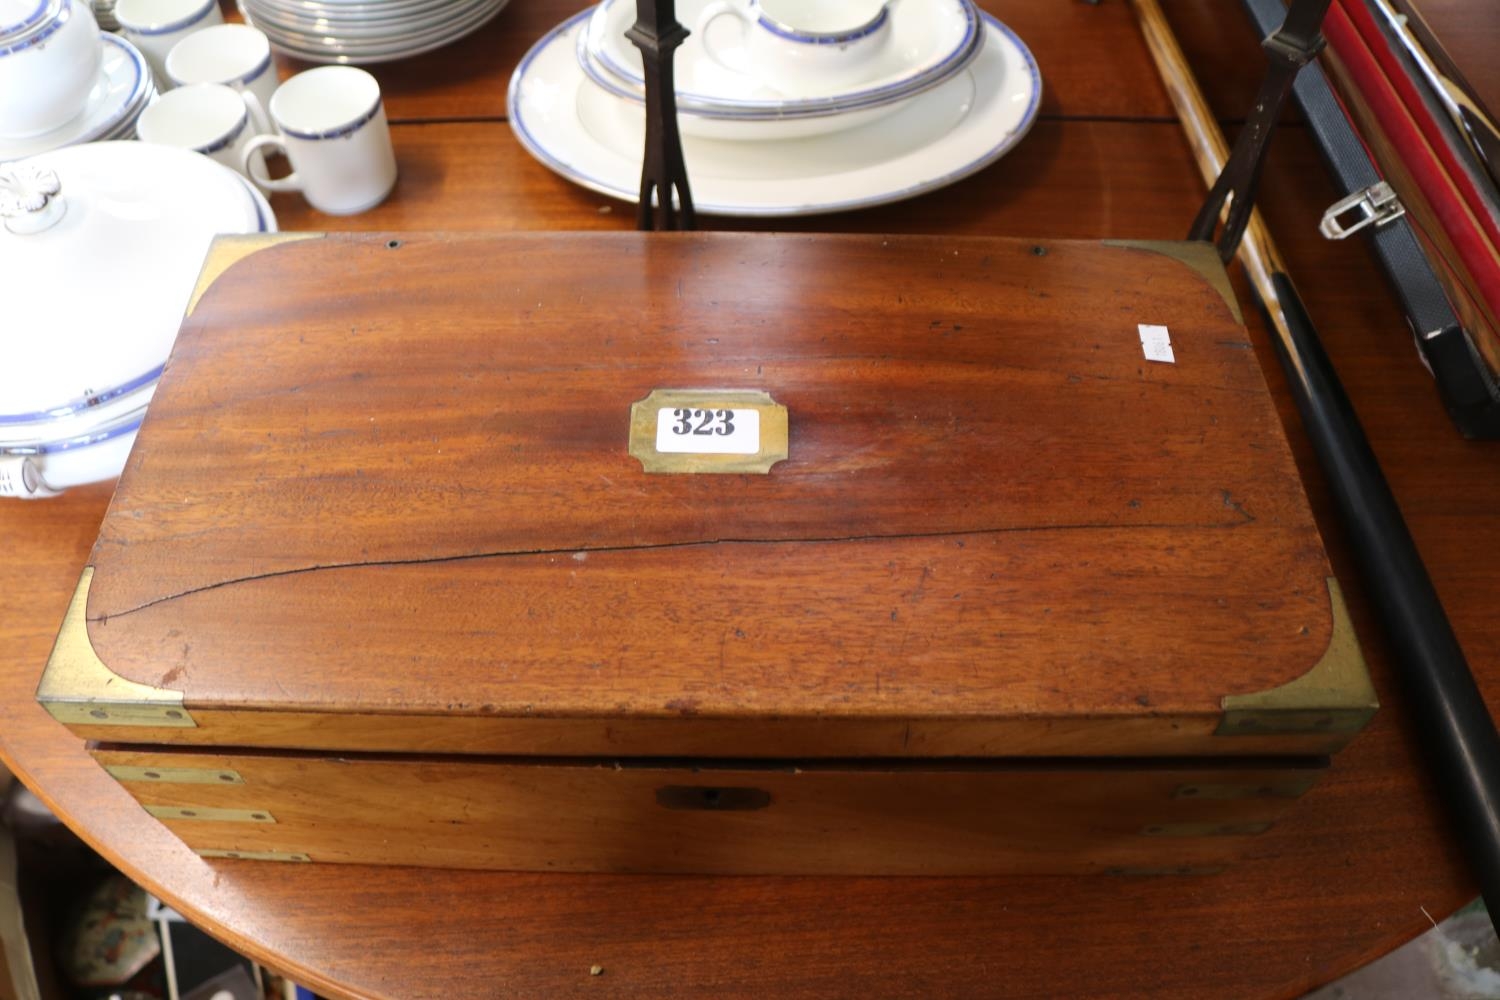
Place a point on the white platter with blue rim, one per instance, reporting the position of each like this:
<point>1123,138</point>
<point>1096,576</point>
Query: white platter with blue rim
<point>943,135</point>
<point>122,91</point>
<point>929,41</point>
<point>789,121</point>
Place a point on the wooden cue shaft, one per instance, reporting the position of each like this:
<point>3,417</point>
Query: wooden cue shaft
<point>1257,252</point>
<point>1459,736</point>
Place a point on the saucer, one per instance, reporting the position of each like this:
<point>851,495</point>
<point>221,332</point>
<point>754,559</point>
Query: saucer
<point>929,41</point>
<point>943,135</point>
<point>123,88</point>
<point>787,122</point>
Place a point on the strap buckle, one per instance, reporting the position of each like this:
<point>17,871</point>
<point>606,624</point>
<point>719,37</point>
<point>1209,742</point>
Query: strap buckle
<point>1374,206</point>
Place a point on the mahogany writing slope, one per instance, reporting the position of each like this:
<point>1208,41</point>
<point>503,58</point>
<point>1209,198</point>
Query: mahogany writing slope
<point>712,553</point>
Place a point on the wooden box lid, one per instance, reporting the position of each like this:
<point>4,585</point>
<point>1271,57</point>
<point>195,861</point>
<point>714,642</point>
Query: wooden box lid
<point>385,499</point>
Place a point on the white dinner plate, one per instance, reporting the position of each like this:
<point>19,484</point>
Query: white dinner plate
<point>119,95</point>
<point>358,33</point>
<point>451,17</point>
<point>945,134</point>
<point>392,19</point>
<point>342,13</point>
<point>928,39</point>
<point>331,48</point>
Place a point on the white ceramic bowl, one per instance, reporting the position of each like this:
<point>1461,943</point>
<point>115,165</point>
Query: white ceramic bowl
<point>103,247</point>
<point>49,61</point>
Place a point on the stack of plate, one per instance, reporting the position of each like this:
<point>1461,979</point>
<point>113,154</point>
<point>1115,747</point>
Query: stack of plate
<point>366,31</point>
<point>122,92</point>
<point>104,14</point>
<point>952,91</point>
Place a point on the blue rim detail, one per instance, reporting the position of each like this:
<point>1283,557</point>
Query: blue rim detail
<point>46,31</point>
<point>137,88</point>
<point>260,217</point>
<point>84,402</point>
<point>29,21</point>
<point>1028,118</point>
<point>780,30</point>
<point>224,141</point>
<point>127,424</point>
<point>265,64</point>
<point>167,29</point>
<point>260,68</point>
<point>339,132</point>
<point>99,398</point>
<point>856,101</point>
<point>708,107</point>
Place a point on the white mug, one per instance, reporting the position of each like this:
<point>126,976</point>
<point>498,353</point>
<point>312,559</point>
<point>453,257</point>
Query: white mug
<point>157,25</point>
<point>235,55</point>
<point>803,48</point>
<point>208,118</point>
<point>334,132</point>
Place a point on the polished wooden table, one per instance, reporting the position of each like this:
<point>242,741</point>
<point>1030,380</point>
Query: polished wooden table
<point>1356,871</point>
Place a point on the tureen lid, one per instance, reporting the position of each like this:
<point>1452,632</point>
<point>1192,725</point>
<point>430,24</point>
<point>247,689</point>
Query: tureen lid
<point>100,247</point>
<point>21,18</point>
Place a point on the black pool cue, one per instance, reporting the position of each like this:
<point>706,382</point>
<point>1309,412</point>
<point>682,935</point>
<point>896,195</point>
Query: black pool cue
<point>1457,733</point>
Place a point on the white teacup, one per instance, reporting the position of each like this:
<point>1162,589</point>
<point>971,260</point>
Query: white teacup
<point>334,132</point>
<point>235,55</point>
<point>49,61</point>
<point>208,118</point>
<point>802,48</point>
<point>154,26</point>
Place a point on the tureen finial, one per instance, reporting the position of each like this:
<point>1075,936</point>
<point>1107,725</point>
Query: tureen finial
<point>28,198</point>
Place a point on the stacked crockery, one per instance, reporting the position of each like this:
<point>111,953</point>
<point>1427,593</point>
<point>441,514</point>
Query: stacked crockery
<point>61,81</point>
<point>366,31</point>
<point>786,106</point>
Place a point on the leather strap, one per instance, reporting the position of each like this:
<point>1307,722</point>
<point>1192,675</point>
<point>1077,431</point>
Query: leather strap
<point>1289,48</point>
<point>1468,390</point>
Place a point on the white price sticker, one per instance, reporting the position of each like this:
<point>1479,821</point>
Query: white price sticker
<point>693,431</point>
<point>1156,343</point>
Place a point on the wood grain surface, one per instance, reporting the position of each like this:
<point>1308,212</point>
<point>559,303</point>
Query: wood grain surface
<point>417,499</point>
<point>841,817</point>
<point>1352,873</point>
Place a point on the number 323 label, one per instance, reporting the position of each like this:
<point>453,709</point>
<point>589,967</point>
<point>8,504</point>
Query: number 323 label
<point>696,431</point>
<point>701,431</point>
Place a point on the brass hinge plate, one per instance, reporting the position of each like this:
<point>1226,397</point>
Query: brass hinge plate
<point>176,775</point>
<point>79,689</point>
<point>1205,829</point>
<point>205,852</point>
<point>211,815</point>
<point>1334,697</point>
<point>120,713</point>
<point>1283,788</point>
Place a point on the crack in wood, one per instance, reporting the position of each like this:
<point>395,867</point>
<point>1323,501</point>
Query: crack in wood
<point>650,546</point>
